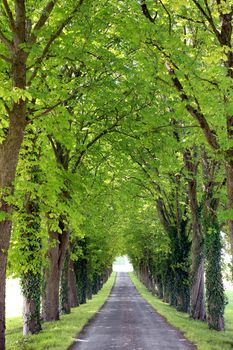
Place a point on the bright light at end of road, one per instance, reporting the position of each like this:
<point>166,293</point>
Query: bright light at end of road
<point>122,264</point>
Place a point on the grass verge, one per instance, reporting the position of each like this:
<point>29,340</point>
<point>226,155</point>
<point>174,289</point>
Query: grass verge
<point>58,335</point>
<point>196,331</point>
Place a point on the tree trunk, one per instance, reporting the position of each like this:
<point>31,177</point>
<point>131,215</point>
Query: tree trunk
<point>9,152</point>
<point>64,290</point>
<point>81,278</point>
<point>229,177</point>
<point>197,297</point>
<point>214,281</point>
<point>159,286</point>
<point>31,288</point>
<point>5,230</point>
<point>58,243</point>
<point>50,300</point>
<point>73,293</point>
<point>29,225</point>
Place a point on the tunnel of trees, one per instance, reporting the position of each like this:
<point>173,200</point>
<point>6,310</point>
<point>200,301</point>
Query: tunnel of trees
<point>116,137</point>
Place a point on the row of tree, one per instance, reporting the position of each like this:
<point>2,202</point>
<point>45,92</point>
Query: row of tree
<point>185,154</point>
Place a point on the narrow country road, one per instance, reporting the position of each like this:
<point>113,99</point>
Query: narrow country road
<point>127,322</point>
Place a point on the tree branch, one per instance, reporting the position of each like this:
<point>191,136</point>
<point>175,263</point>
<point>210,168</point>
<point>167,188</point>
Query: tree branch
<point>94,140</point>
<point>208,17</point>
<point>42,20</point>
<point>5,58</point>
<point>169,15</point>
<point>51,108</point>
<point>6,41</point>
<point>146,12</point>
<point>195,112</point>
<point>51,40</point>
<point>9,14</point>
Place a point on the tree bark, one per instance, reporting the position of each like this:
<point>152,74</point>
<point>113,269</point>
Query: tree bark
<point>64,289</point>
<point>31,287</point>
<point>58,243</point>
<point>9,152</point>
<point>5,230</point>
<point>213,247</point>
<point>29,225</point>
<point>229,177</point>
<point>197,297</point>
<point>73,293</point>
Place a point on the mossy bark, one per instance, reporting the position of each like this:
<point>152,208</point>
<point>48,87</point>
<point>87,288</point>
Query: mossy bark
<point>73,293</point>
<point>58,243</point>
<point>80,268</point>
<point>31,290</point>
<point>214,281</point>
<point>197,295</point>
<point>64,287</point>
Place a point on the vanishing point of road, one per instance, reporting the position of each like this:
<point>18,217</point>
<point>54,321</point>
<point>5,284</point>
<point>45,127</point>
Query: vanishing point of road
<point>128,322</point>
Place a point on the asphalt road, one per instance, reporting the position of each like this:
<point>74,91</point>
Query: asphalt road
<point>127,322</point>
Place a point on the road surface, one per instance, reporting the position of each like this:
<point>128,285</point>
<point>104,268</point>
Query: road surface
<point>128,322</point>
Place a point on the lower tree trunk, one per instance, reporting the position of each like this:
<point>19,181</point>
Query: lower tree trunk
<point>5,232</point>
<point>81,278</point>
<point>73,293</point>
<point>197,295</point>
<point>182,290</point>
<point>197,298</point>
<point>159,286</point>
<point>214,281</point>
<point>58,243</point>
<point>29,223</point>
<point>96,284</point>
<point>213,247</point>
<point>64,290</point>
<point>229,177</point>
<point>9,152</point>
<point>31,289</point>
<point>50,299</point>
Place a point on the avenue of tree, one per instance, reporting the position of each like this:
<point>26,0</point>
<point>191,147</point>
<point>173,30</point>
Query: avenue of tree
<point>116,137</point>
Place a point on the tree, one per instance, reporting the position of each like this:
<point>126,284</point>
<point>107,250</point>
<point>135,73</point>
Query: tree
<point>21,32</point>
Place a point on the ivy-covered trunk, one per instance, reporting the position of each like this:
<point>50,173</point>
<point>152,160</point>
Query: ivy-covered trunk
<point>197,295</point>
<point>96,283</point>
<point>31,289</point>
<point>28,225</point>
<point>159,286</point>
<point>169,295</point>
<point>214,281</point>
<point>58,243</point>
<point>179,267</point>
<point>80,268</point>
<point>5,231</point>
<point>72,290</point>
<point>229,177</point>
<point>64,289</point>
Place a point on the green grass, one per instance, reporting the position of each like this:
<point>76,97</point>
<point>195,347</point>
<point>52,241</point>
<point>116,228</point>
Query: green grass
<point>196,331</point>
<point>60,334</point>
